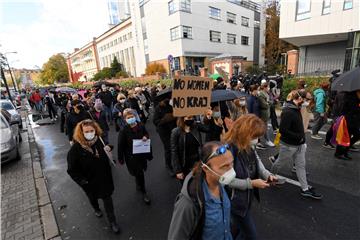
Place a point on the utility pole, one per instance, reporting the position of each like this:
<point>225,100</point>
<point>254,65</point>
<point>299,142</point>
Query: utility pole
<point>5,82</point>
<point>7,63</point>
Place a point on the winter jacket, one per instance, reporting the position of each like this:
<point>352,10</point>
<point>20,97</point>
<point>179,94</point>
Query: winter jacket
<point>264,106</point>
<point>188,216</point>
<point>163,119</point>
<point>101,120</point>
<point>73,119</point>
<point>320,100</point>
<point>134,162</point>
<point>90,172</point>
<point>215,131</point>
<point>291,125</point>
<point>253,105</point>
<point>119,120</point>
<point>106,98</point>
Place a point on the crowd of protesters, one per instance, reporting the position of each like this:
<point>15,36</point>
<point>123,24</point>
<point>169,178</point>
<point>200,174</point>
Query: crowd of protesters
<point>213,155</point>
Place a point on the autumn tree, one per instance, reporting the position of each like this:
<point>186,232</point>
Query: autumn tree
<point>274,46</point>
<point>55,70</point>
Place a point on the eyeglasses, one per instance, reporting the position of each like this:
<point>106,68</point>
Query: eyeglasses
<point>219,151</point>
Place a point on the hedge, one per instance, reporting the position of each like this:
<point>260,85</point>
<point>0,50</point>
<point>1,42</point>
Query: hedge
<point>311,82</point>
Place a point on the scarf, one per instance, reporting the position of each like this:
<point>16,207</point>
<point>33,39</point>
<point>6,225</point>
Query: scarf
<point>88,148</point>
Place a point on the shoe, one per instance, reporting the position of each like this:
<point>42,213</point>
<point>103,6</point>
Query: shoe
<point>310,193</point>
<point>115,227</point>
<point>272,159</point>
<point>260,146</point>
<point>270,144</point>
<point>343,157</point>
<point>328,146</point>
<point>146,199</point>
<point>316,136</point>
<point>276,131</point>
<point>98,213</point>
<point>354,149</point>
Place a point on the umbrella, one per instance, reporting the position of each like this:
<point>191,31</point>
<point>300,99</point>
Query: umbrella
<point>165,93</point>
<point>100,83</point>
<point>215,76</point>
<point>226,95</point>
<point>65,90</point>
<point>347,82</point>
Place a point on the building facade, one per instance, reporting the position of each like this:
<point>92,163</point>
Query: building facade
<point>119,11</point>
<point>326,32</point>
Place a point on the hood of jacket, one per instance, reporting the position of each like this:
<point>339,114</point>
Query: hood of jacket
<point>291,105</point>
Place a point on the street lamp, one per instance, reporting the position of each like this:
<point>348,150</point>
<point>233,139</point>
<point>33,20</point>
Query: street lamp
<point>7,63</point>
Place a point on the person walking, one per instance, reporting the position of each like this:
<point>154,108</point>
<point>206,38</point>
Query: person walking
<point>320,110</point>
<point>242,139</point>
<point>165,122</point>
<point>49,102</point>
<point>76,115</point>
<point>37,100</point>
<point>118,109</point>
<point>292,143</point>
<point>99,115</point>
<point>202,209</point>
<point>88,166</point>
<point>107,99</point>
<point>264,102</point>
<point>214,122</point>
<point>136,163</point>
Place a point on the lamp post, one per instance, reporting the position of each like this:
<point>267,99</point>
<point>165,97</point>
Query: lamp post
<point>5,82</point>
<point>7,63</point>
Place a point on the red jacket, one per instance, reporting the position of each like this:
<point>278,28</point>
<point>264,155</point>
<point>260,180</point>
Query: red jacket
<point>35,97</point>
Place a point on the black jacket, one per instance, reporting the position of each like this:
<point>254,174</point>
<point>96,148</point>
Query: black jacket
<point>351,111</point>
<point>92,173</point>
<point>214,133</point>
<point>178,145</point>
<point>164,124</point>
<point>106,97</point>
<point>134,162</point>
<point>101,120</point>
<point>73,119</point>
<point>291,125</point>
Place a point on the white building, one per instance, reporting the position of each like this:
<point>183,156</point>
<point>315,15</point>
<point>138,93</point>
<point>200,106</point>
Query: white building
<point>119,11</point>
<point>326,32</point>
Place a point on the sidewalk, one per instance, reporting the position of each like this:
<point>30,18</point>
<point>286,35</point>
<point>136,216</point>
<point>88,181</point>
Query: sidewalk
<point>26,209</point>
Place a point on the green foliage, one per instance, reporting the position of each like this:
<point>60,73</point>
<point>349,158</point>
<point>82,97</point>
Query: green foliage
<point>115,67</point>
<point>54,70</point>
<point>122,74</point>
<point>311,82</point>
<point>153,68</point>
<point>253,69</point>
<point>105,73</point>
<point>131,83</point>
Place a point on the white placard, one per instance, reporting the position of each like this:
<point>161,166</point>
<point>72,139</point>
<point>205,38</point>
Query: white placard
<point>140,146</point>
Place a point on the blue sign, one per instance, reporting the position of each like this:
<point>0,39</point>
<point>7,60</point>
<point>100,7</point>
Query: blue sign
<point>170,58</point>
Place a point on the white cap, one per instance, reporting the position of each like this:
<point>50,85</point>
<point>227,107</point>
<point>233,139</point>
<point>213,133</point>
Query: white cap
<point>263,82</point>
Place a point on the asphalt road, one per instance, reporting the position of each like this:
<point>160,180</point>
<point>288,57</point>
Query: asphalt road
<point>281,214</point>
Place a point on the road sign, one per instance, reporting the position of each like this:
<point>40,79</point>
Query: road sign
<point>170,58</point>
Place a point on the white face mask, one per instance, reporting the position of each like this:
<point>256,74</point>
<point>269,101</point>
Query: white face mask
<point>305,104</point>
<point>254,142</point>
<point>242,103</point>
<point>89,135</point>
<point>170,102</point>
<point>226,178</point>
<point>122,101</point>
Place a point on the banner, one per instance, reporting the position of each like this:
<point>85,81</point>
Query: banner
<point>191,95</point>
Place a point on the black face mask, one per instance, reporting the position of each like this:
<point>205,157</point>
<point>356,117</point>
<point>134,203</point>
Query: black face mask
<point>80,107</point>
<point>189,122</point>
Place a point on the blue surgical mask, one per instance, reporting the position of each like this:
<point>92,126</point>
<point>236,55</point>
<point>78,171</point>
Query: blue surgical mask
<point>131,121</point>
<point>216,114</point>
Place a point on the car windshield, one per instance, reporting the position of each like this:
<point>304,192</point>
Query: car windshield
<point>7,106</point>
<point>3,124</point>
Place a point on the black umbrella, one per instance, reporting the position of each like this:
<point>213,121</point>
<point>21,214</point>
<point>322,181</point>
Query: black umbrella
<point>100,83</point>
<point>226,95</point>
<point>347,82</point>
<point>165,93</point>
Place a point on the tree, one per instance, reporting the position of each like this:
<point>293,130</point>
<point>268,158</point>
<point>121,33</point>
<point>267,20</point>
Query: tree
<point>153,68</point>
<point>55,70</point>
<point>103,74</point>
<point>274,46</point>
<point>115,67</point>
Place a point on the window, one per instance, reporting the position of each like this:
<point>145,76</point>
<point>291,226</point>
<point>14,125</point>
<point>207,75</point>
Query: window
<point>187,32</point>
<point>215,36</point>
<point>185,5</point>
<point>120,39</point>
<point>231,17</point>
<point>244,21</point>
<point>125,37</point>
<point>115,41</point>
<point>348,4</point>
<point>231,38</point>
<point>147,60</point>
<point>111,44</point>
<point>244,40</point>
<point>172,7</point>
<point>326,7</point>
<point>303,8</point>
<point>174,33</point>
<point>130,35</point>
<point>257,24</point>
<point>214,13</point>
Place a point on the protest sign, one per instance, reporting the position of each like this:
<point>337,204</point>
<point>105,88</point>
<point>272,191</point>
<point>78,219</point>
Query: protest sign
<point>191,95</point>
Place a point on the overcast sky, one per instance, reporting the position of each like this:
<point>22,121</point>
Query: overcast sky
<point>37,29</point>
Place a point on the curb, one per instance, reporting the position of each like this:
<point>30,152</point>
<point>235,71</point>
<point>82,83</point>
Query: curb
<point>47,216</point>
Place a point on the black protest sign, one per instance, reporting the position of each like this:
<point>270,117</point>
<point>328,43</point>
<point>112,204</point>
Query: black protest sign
<point>191,95</point>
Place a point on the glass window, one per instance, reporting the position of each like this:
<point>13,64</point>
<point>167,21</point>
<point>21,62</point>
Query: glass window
<point>244,40</point>
<point>257,24</point>
<point>111,43</point>
<point>174,33</point>
<point>244,21</point>
<point>185,5</point>
<point>125,37</point>
<point>303,8</point>
<point>172,7</point>
<point>7,106</point>
<point>231,17</point>
<point>147,60</point>
<point>231,38</point>
<point>326,7</point>
<point>176,63</point>
<point>215,36</point>
<point>115,42</point>
<point>130,35</point>
<point>187,32</point>
<point>214,13</point>
<point>348,4</point>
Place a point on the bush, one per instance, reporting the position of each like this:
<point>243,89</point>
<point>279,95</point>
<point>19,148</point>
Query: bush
<point>311,82</point>
<point>103,74</point>
<point>153,68</point>
<point>122,74</point>
<point>253,69</point>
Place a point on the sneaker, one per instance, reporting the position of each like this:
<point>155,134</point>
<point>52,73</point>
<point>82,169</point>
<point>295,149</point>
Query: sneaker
<point>328,146</point>
<point>310,193</point>
<point>354,149</point>
<point>270,144</point>
<point>98,213</point>
<point>260,146</point>
<point>343,157</point>
<point>272,159</point>
<point>115,227</point>
<point>316,136</point>
<point>146,199</point>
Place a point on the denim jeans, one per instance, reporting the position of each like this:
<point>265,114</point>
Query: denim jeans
<point>38,106</point>
<point>108,111</point>
<point>243,228</point>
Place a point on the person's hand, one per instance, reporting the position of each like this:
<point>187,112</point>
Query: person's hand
<point>208,113</point>
<point>180,176</point>
<point>219,122</point>
<point>259,183</point>
<point>71,143</point>
<point>272,178</point>
<point>228,123</point>
<point>144,138</point>
<point>119,114</point>
<point>107,148</point>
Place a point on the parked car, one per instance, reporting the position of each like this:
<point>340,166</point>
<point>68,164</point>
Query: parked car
<point>10,107</point>
<point>10,138</point>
